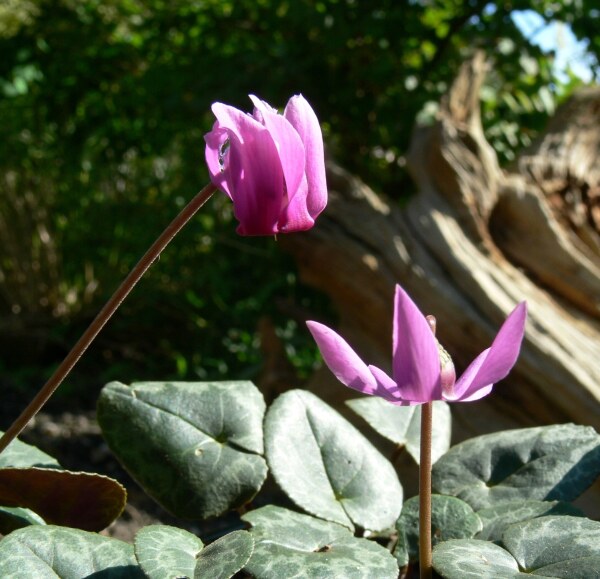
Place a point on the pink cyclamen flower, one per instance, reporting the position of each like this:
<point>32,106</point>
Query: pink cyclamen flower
<point>422,370</point>
<point>272,166</point>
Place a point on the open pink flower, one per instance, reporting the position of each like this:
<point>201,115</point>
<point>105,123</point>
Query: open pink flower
<point>272,166</point>
<point>422,370</point>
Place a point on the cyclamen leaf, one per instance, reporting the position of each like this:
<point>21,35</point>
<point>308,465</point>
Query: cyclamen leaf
<point>12,518</point>
<point>19,454</point>
<point>48,552</point>
<point>195,447</point>
<point>165,552</point>
<point>545,463</point>
<point>402,424</point>
<point>495,520</point>
<point>473,559</point>
<point>82,500</point>
<point>224,557</point>
<point>451,518</point>
<point>326,466</point>
<point>288,544</point>
<point>566,547</point>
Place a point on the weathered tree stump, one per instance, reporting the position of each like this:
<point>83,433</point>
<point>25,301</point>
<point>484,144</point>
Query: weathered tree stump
<point>474,242</point>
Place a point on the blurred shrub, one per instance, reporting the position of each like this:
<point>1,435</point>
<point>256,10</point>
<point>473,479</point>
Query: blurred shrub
<point>103,107</point>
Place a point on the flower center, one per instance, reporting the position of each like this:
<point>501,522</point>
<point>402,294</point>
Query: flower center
<point>223,150</point>
<point>448,374</point>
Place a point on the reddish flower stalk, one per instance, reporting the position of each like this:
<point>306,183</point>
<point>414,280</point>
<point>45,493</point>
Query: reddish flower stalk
<point>105,314</point>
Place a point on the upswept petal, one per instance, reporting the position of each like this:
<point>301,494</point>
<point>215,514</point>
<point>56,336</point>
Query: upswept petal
<point>218,173</point>
<point>416,359</point>
<point>302,117</point>
<point>494,364</point>
<point>342,360</point>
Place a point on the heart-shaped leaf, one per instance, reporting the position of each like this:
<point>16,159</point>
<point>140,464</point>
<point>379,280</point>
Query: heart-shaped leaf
<point>546,463</point>
<point>194,447</point>
<point>74,499</point>
<point>326,466</point>
<point>402,424</point>
<point>19,454</point>
<point>225,557</point>
<point>48,552</point>
<point>495,520</point>
<point>556,546</point>
<point>451,518</point>
<point>474,559</point>
<point>566,547</point>
<point>288,544</point>
<point>165,552</point>
<point>12,518</point>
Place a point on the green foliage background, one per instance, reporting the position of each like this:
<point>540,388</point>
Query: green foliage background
<point>103,107</point>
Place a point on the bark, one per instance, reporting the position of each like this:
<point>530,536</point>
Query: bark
<point>474,242</point>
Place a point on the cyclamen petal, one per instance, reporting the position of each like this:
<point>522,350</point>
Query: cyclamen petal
<point>416,358</point>
<point>272,166</point>
<point>342,360</point>
<point>499,358</point>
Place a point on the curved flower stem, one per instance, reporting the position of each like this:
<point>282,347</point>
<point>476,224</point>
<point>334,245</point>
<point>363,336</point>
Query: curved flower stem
<point>425,560</point>
<point>105,314</point>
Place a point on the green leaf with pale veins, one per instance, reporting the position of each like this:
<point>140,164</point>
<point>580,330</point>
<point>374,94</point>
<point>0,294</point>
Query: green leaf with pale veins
<point>545,463</point>
<point>224,557</point>
<point>195,447</point>
<point>451,518</point>
<point>12,518</point>
<point>165,552</point>
<point>326,466</point>
<point>49,552</point>
<point>291,545</point>
<point>495,520</point>
<point>19,454</point>
<point>554,546</point>
<point>473,559</point>
<point>402,424</point>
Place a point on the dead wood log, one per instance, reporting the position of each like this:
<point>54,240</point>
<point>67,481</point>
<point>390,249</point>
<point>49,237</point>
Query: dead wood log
<point>472,243</point>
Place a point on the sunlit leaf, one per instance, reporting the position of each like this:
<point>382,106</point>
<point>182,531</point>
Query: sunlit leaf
<point>326,466</point>
<point>49,552</point>
<point>196,448</point>
<point>19,454</point>
<point>12,518</point>
<point>402,424</point>
<point>165,552</point>
<point>225,557</point>
<point>566,546</point>
<point>288,544</point>
<point>473,559</point>
<point>545,463</point>
<point>451,518</point>
<point>495,520</point>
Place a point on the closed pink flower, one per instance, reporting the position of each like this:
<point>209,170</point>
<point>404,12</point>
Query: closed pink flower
<point>272,166</point>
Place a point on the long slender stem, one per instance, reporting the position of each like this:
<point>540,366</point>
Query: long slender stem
<point>425,560</point>
<point>105,314</point>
